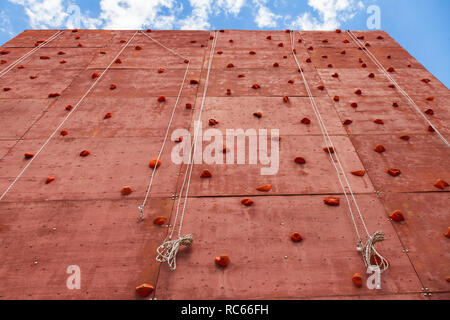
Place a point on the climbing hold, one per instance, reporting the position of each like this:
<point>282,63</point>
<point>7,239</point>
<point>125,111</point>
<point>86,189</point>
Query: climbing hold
<point>359,173</point>
<point>69,107</point>
<point>256,86</point>
<point>159,220</point>
<point>186,61</point>
<point>4,52</point>
<point>74,30</point>
<point>161,99</point>
<point>389,57</point>
<point>360,60</point>
<point>367,44</point>
<point>276,64</point>
<point>126,190</point>
<point>324,57</point>
<point>308,60</point>
<point>206,174</point>
<point>300,160</point>
<point>154,163</point>
<point>360,37</point>
<point>78,38</point>
<point>223,260</point>
<point>193,81</point>
<point>160,70</point>
<point>241,76</point>
<point>357,280</point>
<point>49,179</point>
<point>257,114</point>
<point>345,41</point>
<point>394,172</point>
<point>3,61</point>
<point>406,138</point>
<point>380,38</point>
<point>188,106</point>
<point>44,57</point>
<point>252,52</point>
<point>63,61</point>
<point>336,98</point>
<point>287,31</point>
<point>331,201</point>
<point>397,216</point>
<point>441,184</point>
<point>138,48</point>
<point>29,155</point>
<point>286,99</point>
<point>447,234</point>
<point>193,41</point>
<point>54,95</point>
<point>338,31</point>
<point>431,129</point>
<point>354,105</point>
<point>228,92</point>
<point>64,133</point>
<point>230,41</point>
<point>95,75</point>
<point>335,75</point>
<point>225,150</point>
<point>108,115</point>
<point>347,122</point>
<point>358,92</point>
<point>33,76</point>
<point>390,69</point>
<point>426,80</point>
<point>311,48</point>
<point>371,75</point>
<point>230,65</point>
<point>296,237</point>
<point>211,37</point>
<point>305,121</point>
<point>144,289</point>
<point>379,148</point>
<point>378,121</point>
<point>343,52</point>
<point>291,81</point>
<point>395,104</point>
<point>178,140</point>
<point>429,112</point>
<point>321,87</point>
<point>84,153</point>
<point>80,45</point>
<point>284,56</point>
<point>6,89</point>
<point>269,37</point>
<point>264,187</point>
<point>118,61</point>
<point>430,98</point>
<point>329,150</point>
<point>364,65</point>
<point>149,30</point>
<point>247,202</point>
<point>212,122</point>
<point>112,86</point>
<point>281,44</point>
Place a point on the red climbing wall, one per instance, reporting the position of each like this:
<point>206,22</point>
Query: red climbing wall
<point>81,218</point>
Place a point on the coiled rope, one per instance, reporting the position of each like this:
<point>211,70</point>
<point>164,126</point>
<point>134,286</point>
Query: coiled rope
<point>383,70</point>
<point>168,250</point>
<point>65,119</point>
<point>369,253</point>
<point>29,53</point>
<point>142,206</point>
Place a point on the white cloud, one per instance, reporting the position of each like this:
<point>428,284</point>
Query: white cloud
<point>199,18</point>
<point>5,23</point>
<point>331,14</point>
<point>231,6</point>
<point>264,17</point>
<point>43,13</point>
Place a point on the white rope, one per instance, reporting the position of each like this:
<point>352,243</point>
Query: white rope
<point>173,51</point>
<point>340,171</point>
<point>165,251</point>
<point>64,120</point>
<point>142,206</point>
<point>26,55</point>
<point>382,69</point>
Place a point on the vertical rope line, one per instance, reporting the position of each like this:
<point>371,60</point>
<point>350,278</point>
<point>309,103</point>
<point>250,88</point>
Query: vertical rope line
<point>64,120</point>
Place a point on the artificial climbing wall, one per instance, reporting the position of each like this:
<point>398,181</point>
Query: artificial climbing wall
<point>81,217</point>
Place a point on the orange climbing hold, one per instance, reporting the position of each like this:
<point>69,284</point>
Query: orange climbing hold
<point>397,216</point>
<point>212,122</point>
<point>144,289</point>
<point>378,121</point>
<point>296,237</point>
<point>223,260</point>
<point>331,201</point>
<point>257,114</point>
<point>357,280</point>
<point>447,234</point>
<point>379,148</point>
<point>108,115</point>
<point>84,153</point>
<point>300,160</point>
<point>112,87</point>
<point>286,99</point>
<point>54,95</point>
<point>321,87</point>
<point>256,86</point>
<point>126,190</point>
<point>64,133</point>
<point>441,184</point>
<point>264,187</point>
<point>359,173</point>
<point>336,98</point>
<point>161,99</point>
<point>159,220</point>
<point>49,179</point>
<point>154,163</point>
<point>306,121</point>
<point>160,70</point>
<point>28,155</point>
<point>95,75</point>
<point>430,98</point>
<point>206,174</point>
<point>247,202</point>
<point>394,172</point>
<point>345,41</point>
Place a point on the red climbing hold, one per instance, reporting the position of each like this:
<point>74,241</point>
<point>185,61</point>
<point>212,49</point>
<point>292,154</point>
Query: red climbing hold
<point>331,201</point>
<point>241,76</point>
<point>335,75</point>
<point>44,57</point>
<point>276,64</point>
<point>367,44</point>
<point>230,41</point>
<point>286,99</point>
<point>126,190</point>
<point>431,129</point>
<point>324,57</point>
<point>118,61</point>
<point>441,184</point>
<point>320,87</point>
<point>358,92</point>
<point>49,179</point>
<point>80,45</point>
<point>406,138</point>
<point>359,173</point>
<point>63,61</point>
<point>6,89</point>
<point>380,38</point>
<point>300,160</point>
<point>379,148</point>
<point>95,75</point>
<point>4,52</point>
<point>193,41</point>
<point>343,52</point>
<point>430,98</point>
<point>54,95</point>
<point>212,122</point>
<point>281,44</point>
<point>222,260</point>
<point>394,172</point>
<point>178,140</point>
<point>395,104</point>
<point>247,202</point>
<point>354,105</point>
<point>336,98</point>
<point>264,187</point>
<point>112,86</point>
<point>230,65</point>
<point>84,153</point>
<point>161,99</point>
<point>357,280</point>
<point>69,107</point>
<point>299,40</point>
<point>429,112</point>
<point>3,61</point>
<point>64,133</point>
<point>228,92</point>
<point>329,150</point>
<point>364,65</point>
<point>311,48</point>
<point>308,60</point>
<point>108,115</point>
<point>360,37</point>
<point>347,122</point>
<point>159,220</point>
<point>447,234</point>
<point>211,37</point>
<point>371,75</point>
<point>160,70</point>
<point>397,216</point>
<point>389,57</point>
<point>29,155</point>
<point>61,53</point>
<point>284,56</point>
<point>257,114</point>
<point>206,174</point>
<point>378,121</point>
<point>296,237</point>
<point>291,81</point>
<point>256,86</point>
<point>306,121</point>
<point>138,48</point>
<point>144,289</point>
<point>338,30</point>
<point>345,41</point>
<point>269,37</point>
<point>186,61</point>
<point>252,52</point>
<point>426,80</point>
<point>390,69</point>
<point>188,106</point>
<point>74,30</point>
<point>154,163</point>
<point>193,82</point>
<point>78,38</point>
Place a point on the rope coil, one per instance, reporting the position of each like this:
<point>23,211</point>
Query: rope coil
<point>167,252</point>
<point>371,254</point>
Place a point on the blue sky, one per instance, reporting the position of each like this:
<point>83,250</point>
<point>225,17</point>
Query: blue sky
<point>420,26</point>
